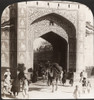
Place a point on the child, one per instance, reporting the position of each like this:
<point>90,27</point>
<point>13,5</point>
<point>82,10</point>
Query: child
<point>25,88</point>
<point>76,92</point>
<point>88,86</point>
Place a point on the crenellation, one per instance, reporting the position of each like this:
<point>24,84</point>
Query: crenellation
<point>55,5</point>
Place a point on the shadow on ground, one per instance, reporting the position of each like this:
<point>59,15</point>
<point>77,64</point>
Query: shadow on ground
<point>34,89</point>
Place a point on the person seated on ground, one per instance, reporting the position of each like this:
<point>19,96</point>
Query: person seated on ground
<point>76,92</point>
<point>6,85</point>
<point>88,86</point>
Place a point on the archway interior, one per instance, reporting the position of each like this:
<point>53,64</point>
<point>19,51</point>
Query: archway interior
<point>59,45</point>
<point>59,48</point>
<point>57,40</point>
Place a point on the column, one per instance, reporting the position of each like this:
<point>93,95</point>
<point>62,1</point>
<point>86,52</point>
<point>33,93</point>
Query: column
<point>22,34</point>
<point>80,44</point>
<point>67,57</point>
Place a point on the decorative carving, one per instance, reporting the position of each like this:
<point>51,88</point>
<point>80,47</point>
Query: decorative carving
<point>22,34</point>
<point>22,23</point>
<point>70,15</point>
<point>4,59</point>
<point>22,11</point>
<point>4,45</point>
<point>5,35</point>
<point>21,57</point>
<point>21,45</point>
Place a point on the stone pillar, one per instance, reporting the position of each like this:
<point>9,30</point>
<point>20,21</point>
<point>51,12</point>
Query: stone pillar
<point>5,39</point>
<point>13,40</point>
<point>5,49</point>
<point>67,57</point>
<point>80,43</point>
<point>25,39</point>
<point>22,34</point>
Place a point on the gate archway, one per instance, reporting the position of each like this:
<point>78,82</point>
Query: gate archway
<point>54,23</point>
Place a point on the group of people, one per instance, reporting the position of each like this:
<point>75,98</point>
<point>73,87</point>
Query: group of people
<point>63,75</point>
<point>13,86</point>
<point>52,75</point>
<point>83,86</point>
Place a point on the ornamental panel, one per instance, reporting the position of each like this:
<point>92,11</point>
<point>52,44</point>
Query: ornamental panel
<point>22,34</point>
<point>21,57</point>
<point>5,59</point>
<point>22,23</point>
<point>22,11</point>
<point>21,45</point>
<point>4,45</point>
<point>5,35</point>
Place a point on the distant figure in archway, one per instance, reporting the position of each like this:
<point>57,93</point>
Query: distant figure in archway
<point>64,77</point>
<point>55,75</point>
<point>71,78</point>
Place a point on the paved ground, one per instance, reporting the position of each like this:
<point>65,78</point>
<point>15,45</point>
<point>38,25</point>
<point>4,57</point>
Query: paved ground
<point>40,90</point>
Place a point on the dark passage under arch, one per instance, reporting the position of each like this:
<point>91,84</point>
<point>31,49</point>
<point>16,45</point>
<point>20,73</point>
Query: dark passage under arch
<point>59,48</point>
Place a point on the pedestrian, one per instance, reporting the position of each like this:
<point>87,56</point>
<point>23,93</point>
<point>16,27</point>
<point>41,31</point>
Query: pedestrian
<point>49,78</point>
<point>43,76</point>
<point>16,86</point>
<point>6,85</point>
<point>71,78</point>
<point>64,77</point>
<point>88,86</point>
<point>84,74</point>
<point>7,72</point>
<point>8,75</point>
<point>25,88</point>
<point>61,76</point>
<point>81,76</point>
<point>76,92</point>
<point>52,80</point>
<point>84,84</point>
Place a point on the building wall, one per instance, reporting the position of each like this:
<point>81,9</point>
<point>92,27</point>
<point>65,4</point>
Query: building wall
<point>72,12</point>
<point>27,12</point>
<point>5,39</point>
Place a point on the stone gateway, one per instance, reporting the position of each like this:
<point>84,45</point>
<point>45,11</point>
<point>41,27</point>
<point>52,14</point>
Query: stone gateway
<point>63,24</point>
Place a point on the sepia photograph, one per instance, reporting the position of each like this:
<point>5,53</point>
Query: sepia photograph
<point>47,50</point>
